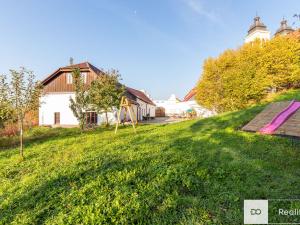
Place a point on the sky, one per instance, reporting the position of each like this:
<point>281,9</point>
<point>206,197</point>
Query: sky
<point>157,45</point>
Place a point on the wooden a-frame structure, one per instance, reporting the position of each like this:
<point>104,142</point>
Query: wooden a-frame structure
<point>126,105</point>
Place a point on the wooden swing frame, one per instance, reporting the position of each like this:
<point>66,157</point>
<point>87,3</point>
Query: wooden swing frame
<point>126,105</point>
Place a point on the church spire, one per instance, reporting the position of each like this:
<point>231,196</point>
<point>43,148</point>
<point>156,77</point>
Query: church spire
<point>258,30</point>
<point>284,28</point>
<point>257,25</point>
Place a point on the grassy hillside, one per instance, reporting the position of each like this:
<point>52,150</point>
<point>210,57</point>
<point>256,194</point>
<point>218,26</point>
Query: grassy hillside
<point>194,172</point>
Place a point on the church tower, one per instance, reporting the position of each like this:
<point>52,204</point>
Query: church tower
<point>284,29</point>
<point>257,30</point>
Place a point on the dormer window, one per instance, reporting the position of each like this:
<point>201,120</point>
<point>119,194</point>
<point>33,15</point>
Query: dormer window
<point>84,77</point>
<point>69,78</point>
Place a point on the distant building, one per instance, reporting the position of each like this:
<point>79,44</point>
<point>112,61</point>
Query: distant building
<point>284,29</point>
<point>190,100</point>
<point>175,107</point>
<point>257,30</point>
<point>170,107</point>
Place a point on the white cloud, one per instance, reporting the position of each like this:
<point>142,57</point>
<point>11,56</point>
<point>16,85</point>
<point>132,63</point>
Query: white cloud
<point>197,7</point>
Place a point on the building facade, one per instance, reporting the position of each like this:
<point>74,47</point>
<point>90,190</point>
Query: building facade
<point>58,88</point>
<point>258,30</point>
<point>175,107</point>
<point>284,28</point>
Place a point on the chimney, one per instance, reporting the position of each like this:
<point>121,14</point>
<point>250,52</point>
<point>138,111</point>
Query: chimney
<point>71,61</point>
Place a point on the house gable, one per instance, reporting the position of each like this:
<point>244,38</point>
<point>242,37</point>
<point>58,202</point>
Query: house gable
<point>57,81</point>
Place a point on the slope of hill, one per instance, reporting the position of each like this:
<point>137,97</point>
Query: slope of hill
<point>193,172</point>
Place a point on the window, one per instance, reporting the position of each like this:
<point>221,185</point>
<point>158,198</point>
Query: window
<point>91,118</point>
<point>69,78</point>
<point>84,77</point>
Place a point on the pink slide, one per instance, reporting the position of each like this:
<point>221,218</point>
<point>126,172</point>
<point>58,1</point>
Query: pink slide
<point>280,118</point>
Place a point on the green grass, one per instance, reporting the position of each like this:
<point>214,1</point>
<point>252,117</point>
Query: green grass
<point>193,172</point>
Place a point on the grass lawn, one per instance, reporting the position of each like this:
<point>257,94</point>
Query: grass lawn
<point>193,172</point>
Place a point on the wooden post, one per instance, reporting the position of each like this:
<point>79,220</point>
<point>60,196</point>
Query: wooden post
<point>131,118</point>
<point>135,119</point>
<point>118,117</point>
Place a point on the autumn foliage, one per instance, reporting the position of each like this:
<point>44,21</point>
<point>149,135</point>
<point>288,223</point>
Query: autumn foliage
<point>240,78</point>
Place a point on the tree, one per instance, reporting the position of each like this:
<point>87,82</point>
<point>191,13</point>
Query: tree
<point>280,62</point>
<point>106,93</point>
<point>24,94</point>
<point>5,108</point>
<point>80,104</point>
<point>240,78</point>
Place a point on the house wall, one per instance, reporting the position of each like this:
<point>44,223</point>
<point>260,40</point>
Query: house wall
<point>56,102</point>
<point>60,102</point>
<point>112,116</point>
<point>59,83</point>
<point>145,108</point>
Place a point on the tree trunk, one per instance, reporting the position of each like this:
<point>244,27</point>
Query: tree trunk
<point>82,123</point>
<point>82,126</point>
<point>21,137</point>
<point>106,117</point>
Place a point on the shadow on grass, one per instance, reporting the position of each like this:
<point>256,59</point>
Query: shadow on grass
<point>39,135</point>
<point>191,179</point>
<point>234,120</point>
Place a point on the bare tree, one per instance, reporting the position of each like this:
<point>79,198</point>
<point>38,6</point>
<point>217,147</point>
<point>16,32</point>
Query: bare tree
<point>297,16</point>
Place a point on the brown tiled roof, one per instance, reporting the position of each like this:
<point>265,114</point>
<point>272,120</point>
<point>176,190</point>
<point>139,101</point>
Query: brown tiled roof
<point>81,66</point>
<point>190,95</point>
<point>139,94</point>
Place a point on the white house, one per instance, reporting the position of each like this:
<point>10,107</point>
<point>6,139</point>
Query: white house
<point>175,107</point>
<point>59,88</point>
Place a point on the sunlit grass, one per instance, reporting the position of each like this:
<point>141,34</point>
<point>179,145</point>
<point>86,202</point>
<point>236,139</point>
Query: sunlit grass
<point>193,172</point>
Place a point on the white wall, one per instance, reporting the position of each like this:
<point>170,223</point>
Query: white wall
<point>60,102</point>
<point>201,111</point>
<point>56,102</point>
<point>262,35</point>
<point>146,108</point>
<point>179,108</point>
<point>152,110</point>
<point>112,116</point>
